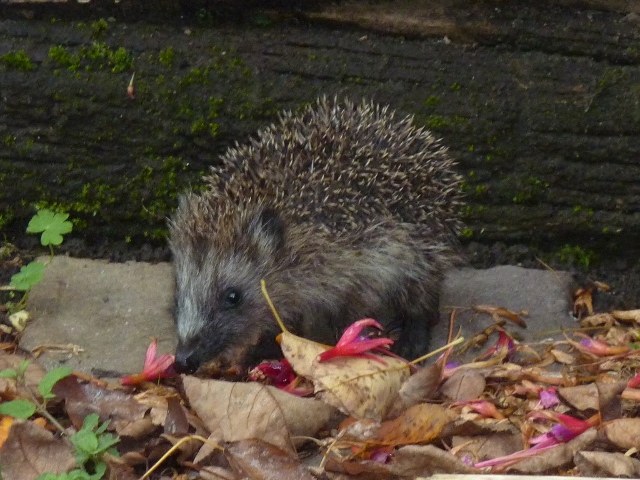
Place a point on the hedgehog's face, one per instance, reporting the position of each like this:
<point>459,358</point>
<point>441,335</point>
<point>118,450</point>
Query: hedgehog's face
<point>221,317</point>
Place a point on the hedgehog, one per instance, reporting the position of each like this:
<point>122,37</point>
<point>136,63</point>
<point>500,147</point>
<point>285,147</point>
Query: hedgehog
<point>346,211</point>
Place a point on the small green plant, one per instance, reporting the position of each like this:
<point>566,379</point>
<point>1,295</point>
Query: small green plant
<point>22,408</point>
<point>52,226</point>
<point>90,443</point>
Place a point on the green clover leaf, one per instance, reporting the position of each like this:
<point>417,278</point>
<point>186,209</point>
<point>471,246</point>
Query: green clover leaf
<point>50,379</point>
<point>18,408</point>
<point>52,225</point>
<point>28,276</point>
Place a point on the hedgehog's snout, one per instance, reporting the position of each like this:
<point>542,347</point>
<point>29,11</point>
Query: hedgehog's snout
<point>187,358</point>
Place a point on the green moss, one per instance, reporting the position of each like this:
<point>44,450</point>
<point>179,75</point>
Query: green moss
<point>9,140</point>
<point>467,233</point>
<point>166,56</point>
<point>436,122</point>
<point>17,61</point>
<point>96,56</point>
<point>575,255</point>
<point>99,28</point>
<point>530,190</point>
<point>432,101</point>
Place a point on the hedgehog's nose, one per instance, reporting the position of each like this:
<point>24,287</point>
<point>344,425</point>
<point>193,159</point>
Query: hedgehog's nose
<point>187,360</point>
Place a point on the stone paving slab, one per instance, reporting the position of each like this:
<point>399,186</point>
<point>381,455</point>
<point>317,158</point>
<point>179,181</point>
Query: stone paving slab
<point>545,295</point>
<point>112,310</point>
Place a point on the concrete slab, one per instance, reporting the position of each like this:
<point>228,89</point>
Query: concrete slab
<point>545,295</point>
<point>112,310</point>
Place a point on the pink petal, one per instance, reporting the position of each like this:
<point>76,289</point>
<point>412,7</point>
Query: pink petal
<point>151,352</point>
<point>634,382</point>
<point>352,332</point>
<point>354,348</point>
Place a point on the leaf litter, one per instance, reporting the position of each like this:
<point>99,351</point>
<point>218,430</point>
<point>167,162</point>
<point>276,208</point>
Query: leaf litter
<point>569,407</point>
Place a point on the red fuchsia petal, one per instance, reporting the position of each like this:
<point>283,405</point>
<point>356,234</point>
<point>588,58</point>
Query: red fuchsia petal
<point>575,424</point>
<point>549,397</point>
<point>151,352</point>
<point>487,409</point>
<point>505,341</point>
<point>136,379</point>
<point>381,455</point>
<point>158,368</point>
<point>352,332</point>
<point>599,348</point>
<point>279,373</point>
<point>353,349</point>
<point>634,382</point>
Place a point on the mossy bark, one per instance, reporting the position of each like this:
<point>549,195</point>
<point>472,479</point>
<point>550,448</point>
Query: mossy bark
<point>542,109</point>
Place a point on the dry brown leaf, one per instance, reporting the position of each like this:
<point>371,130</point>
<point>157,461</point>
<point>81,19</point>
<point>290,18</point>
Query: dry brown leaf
<point>603,320</point>
<point>33,374</point>
<point>239,411</point>
<point>466,427</point>
<point>627,316</point>
<point>463,385</point>
<point>83,398</point>
<point>418,388</point>
<point>563,357</point>
<point>30,451</point>
<point>359,430</point>
<point>257,459</point>
<point>359,387</point>
<point>581,397</point>
<point>485,447</point>
<point>421,423</point>
<point>583,302</point>
<point>408,462</point>
<point>605,464</point>
<point>624,432</point>
<point>500,312</point>
<point>557,456</point>
<point>5,426</point>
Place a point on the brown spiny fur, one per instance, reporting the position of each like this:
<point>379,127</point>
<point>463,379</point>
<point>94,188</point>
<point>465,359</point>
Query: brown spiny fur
<point>344,210</point>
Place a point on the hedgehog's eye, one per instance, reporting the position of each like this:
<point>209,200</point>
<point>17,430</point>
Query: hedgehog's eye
<point>232,298</point>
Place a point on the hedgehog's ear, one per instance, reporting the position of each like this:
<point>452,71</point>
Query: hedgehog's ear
<point>267,230</point>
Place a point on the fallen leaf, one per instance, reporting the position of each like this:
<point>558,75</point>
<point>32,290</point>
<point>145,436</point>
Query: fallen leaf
<point>583,302</point>
<point>604,320</point>
<point>257,459</point>
<point>624,433</point>
<point>240,411</point>
<point>418,388</point>
<point>606,464</point>
<point>421,423</point>
<point>581,397</point>
<point>463,385</point>
<point>83,398</point>
<point>627,316</point>
<point>407,462</point>
<point>30,451</point>
<point>359,387</point>
<point>500,312</point>
<point>557,456</point>
<point>484,447</point>
<point>32,375</point>
<point>5,426</point>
